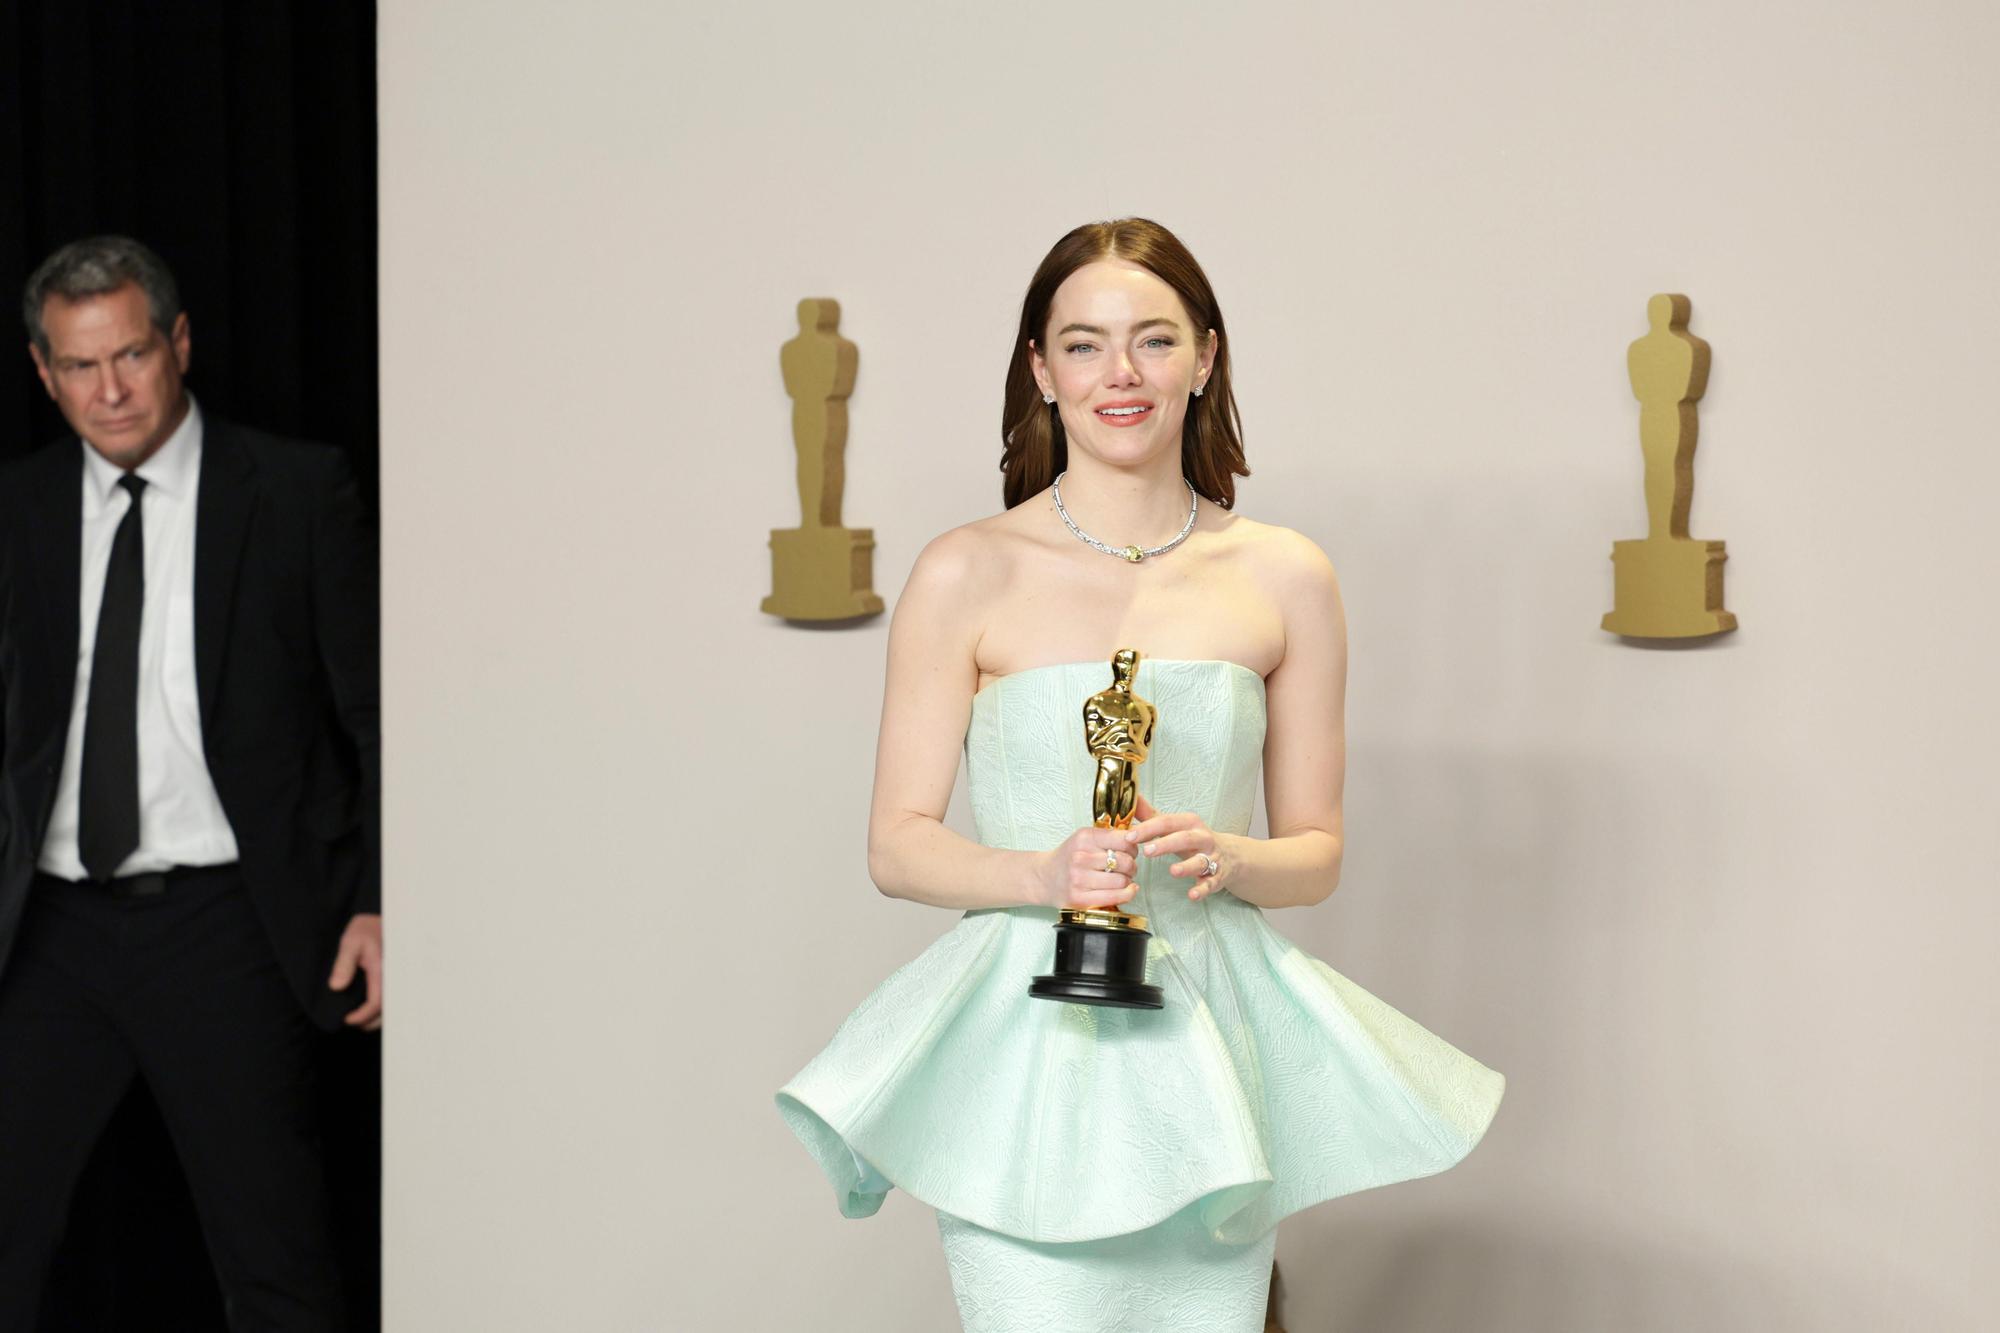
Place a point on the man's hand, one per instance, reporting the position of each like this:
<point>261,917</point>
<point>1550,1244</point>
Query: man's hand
<point>361,946</point>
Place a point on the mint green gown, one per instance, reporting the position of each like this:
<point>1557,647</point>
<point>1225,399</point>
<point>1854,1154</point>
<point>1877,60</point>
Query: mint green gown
<point>1102,1170</point>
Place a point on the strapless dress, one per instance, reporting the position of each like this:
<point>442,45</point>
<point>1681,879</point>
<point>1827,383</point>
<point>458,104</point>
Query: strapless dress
<point>1268,1083</point>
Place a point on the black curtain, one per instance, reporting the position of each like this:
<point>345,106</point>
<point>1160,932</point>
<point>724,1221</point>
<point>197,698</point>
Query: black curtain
<point>238,140</point>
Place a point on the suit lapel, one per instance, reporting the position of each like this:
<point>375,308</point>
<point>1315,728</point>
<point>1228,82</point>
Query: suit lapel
<point>55,546</point>
<point>226,496</point>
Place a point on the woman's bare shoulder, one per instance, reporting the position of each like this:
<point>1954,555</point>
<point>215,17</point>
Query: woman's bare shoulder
<point>970,556</point>
<point>1296,576</point>
<point>1282,554</point>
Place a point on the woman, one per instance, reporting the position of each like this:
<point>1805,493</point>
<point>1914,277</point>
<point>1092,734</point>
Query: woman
<point>1101,1168</point>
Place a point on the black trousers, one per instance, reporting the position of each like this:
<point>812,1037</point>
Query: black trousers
<point>181,989</point>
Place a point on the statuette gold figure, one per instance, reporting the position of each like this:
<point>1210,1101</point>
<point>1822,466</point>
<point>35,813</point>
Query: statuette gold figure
<point>1668,585</point>
<point>820,570</point>
<point>1118,732</point>
<point>1100,951</point>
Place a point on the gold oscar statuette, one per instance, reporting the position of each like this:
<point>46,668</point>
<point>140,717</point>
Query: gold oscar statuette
<point>820,570</point>
<point>1101,952</point>
<point>1668,585</point>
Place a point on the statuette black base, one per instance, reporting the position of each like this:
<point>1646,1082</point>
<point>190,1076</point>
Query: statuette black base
<point>1102,964</point>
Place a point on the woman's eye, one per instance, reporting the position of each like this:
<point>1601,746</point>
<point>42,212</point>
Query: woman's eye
<point>1081,347</point>
<point>1159,342</point>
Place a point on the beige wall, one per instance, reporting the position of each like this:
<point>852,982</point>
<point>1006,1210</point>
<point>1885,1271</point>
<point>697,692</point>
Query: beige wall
<point>1725,917</point>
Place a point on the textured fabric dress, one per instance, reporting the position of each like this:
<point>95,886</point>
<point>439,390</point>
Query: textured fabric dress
<point>1099,1169</point>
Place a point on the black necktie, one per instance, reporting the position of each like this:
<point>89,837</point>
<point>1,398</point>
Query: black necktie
<point>108,800</point>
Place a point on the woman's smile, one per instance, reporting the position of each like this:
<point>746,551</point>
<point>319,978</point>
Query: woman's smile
<point>1124,412</point>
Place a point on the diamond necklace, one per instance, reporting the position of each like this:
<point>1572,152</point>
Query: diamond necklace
<point>1133,553</point>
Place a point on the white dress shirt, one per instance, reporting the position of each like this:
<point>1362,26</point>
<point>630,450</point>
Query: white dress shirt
<point>181,822</point>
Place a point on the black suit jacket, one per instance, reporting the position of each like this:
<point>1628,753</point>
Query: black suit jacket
<point>285,612</point>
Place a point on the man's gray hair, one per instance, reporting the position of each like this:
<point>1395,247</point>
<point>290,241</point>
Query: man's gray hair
<point>96,266</point>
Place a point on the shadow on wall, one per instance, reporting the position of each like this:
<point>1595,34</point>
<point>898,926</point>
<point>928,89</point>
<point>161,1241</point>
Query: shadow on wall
<point>1503,1278</point>
<point>1627,938</point>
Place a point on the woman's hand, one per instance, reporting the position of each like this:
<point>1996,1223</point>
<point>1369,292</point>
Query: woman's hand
<point>1184,835</point>
<point>1092,868</point>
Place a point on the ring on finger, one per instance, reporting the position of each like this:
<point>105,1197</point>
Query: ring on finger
<point>1110,862</point>
<point>1209,865</point>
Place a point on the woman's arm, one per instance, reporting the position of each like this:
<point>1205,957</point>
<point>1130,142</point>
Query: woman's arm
<point>926,704</point>
<point>1305,743</point>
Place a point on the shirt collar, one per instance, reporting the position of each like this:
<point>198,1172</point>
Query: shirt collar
<point>172,469</point>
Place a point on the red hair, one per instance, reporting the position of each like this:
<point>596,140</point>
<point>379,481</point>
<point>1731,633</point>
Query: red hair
<point>1035,449</point>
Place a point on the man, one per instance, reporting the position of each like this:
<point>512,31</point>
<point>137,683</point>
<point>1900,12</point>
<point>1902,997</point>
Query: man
<point>189,792</point>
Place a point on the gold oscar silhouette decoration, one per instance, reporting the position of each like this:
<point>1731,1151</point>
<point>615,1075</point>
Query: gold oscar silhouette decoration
<point>820,570</point>
<point>1668,585</point>
<point>1101,952</point>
